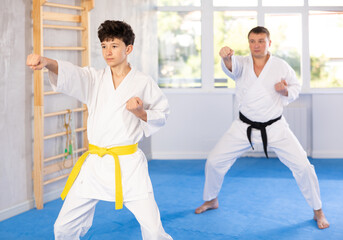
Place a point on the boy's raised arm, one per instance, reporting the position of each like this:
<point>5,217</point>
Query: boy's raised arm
<point>37,62</point>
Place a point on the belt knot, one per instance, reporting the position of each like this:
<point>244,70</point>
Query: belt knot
<point>100,151</point>
<point>258,125</point>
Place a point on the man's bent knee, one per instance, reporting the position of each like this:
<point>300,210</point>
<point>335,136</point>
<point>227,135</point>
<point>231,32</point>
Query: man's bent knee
<point>303,167</point>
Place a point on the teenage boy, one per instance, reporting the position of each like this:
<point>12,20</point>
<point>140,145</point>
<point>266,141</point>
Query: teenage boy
<point>123,104</point>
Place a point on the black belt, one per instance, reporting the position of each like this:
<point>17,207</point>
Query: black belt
<point>258,125</point>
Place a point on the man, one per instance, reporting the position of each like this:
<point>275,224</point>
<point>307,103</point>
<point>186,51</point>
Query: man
<point>123,104</point>
<point>264,85</point>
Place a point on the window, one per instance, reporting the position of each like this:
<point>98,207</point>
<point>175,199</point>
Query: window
<point>326,52</point>
<point>179,35</point>
<point>285,34</point>
<point>283,3</point>
<point>178,2</point>
<point>305,33</point>
<point>325,3</point>
<point>230,29</point>
<point>235,3</point>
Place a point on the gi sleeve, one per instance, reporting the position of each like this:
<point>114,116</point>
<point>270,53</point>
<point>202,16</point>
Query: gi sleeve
<point>293,87</point>
<point>156,106</point>
<point>73,80</point>
<point>237,68</point>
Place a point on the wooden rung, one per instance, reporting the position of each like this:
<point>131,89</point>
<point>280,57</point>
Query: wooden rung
<point>49,4</point>
<point>51,93</point>
<point>56,179</point>
<point>63,155</point>
<point>65,48</point>
<point>56,167</point>
<point>63,17</point>
<point>52,114</point>
<point>63,133</point>
<point>63,27</point>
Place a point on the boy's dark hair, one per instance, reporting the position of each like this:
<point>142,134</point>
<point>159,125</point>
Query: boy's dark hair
<point>111,29</point>
<point>258,30</point>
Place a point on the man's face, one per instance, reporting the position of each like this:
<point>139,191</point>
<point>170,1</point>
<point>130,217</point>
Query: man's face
<point>115,51</point>
<point>259,44</point>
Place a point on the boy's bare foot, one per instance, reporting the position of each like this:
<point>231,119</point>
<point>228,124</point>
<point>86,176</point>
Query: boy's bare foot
<point>321,219</point>
<point>208,205</point>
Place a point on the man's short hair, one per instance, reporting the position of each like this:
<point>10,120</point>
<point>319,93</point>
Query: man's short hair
<point>258,30</point>
<point>111,29</point>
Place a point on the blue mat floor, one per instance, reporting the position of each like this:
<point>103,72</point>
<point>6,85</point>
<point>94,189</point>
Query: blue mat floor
<point>259,200</point>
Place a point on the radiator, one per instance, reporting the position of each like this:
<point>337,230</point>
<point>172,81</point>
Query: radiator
<point>300,124</point>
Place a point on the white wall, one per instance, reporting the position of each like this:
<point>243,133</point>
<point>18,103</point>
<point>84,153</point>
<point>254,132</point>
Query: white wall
<point>198,119</point>
<point>190,133</point>
<point>196,122</point>
<point>15,105</point>
<point>327,125</point>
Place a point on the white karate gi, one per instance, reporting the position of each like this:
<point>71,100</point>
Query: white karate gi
<point>259,102</point>
<point>110,124</point>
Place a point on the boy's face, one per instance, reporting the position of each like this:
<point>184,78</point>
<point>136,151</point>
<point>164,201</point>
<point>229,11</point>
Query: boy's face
<point>115,52</point>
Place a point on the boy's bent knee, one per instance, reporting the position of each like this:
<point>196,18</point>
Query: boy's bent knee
<point>60,231</point>
<point>155,233</point>
<point>63,231</point>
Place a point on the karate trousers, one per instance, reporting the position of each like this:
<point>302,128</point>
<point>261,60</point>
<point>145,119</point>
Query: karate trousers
<point>280,139</point>
<point>76,217</point>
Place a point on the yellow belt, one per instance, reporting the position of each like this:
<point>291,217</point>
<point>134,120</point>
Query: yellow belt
<point>114,152</point>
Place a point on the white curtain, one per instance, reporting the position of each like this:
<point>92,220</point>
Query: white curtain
<point>140,14</point>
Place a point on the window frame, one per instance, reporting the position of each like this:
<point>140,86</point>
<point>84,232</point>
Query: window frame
<point>207,40</point>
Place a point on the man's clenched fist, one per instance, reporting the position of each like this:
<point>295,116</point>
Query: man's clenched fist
<point>281,87</point>
<point>226,53</point>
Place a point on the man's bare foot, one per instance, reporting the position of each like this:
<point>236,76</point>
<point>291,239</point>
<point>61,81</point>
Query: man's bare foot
<point>208,205</point>
<point>321,219</point>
